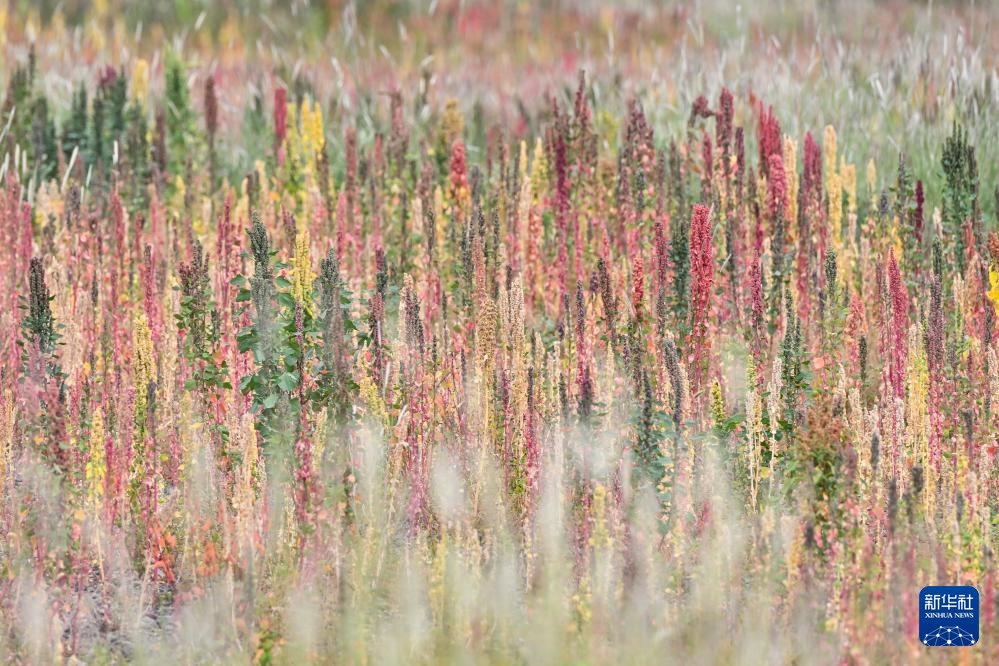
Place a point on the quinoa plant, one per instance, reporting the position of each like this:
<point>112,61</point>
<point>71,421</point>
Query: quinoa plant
<point>496,334</point>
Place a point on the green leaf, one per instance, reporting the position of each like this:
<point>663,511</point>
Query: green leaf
<point>270,401</point>
<point>247,341</point>
<point>288,381</point>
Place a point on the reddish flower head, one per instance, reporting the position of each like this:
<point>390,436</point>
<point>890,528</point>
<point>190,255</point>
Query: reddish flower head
<point>280,114</point>
<point>777,181</point>
<point>702,269</point>
<point>898,323</point>
<point>769,131</point>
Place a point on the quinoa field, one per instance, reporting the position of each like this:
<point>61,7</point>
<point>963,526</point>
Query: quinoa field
<point>468,332</point>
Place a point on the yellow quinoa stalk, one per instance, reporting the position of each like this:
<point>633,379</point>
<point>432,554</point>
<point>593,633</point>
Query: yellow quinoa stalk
<point>313,138</point>
<point>600,537</point>
<point>834,188</point>
<point>605,384</point>
<point>835,609</point>
<point>861,441</point>
<point>522,166</point>
<point>302,276</point>
<point>685,386</point>
<point>514,324</point>
<point>533,261</point>
<point>582,602</point>
<point>143,364</point>
<point>441,224</point>
<point>404,334</point>
<point>293,138</point>
<point>992,371</point>
<point>244,440</point>
<point>993,292</point>
<point>140,81</point>
<point>437,591</point>
<point>167,359</point>
<point>524,201</point>
<point>372,398</point>
<point>8,413</point>
<point>512,329</point>
<point>761,198</point>
<point>49,206</point>
<point>267,196</point>
<point>774,408</point>
<point>176,201</point>
<point>717,404</point>
<point>603,553</point>
<point>539,171</point>
<point>96,468</point>
<point>754,432</point>
<point>791,171</point>
<point>848,175</point>
<point>792,532</point>
<point>485,333</point>
<point>420,259</point>
<point>851,250</point>
<point>553,376</point>
<point>963,480</point>
<point>872,180</point>
<point>318,441</point>
<point>189,433</point>
<point>452,124</point>
<point>288,534</point>
<point>959,296</point>
<point>241,207</point>
<point>917,414</point>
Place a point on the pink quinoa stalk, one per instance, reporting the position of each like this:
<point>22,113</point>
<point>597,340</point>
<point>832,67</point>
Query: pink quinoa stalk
<point>777,184</point>
<point>899,302</point>
<point>280,121</point>
<point>561,207</point>
<point>756,294</point>
<point>740,163</point>
<point>708,158</point>
<point>935,362</point>
<point>702,263</point>
<point>660,252</point>
<point>147,274</point>
<point>988,604</point>
<point>638,287</point>
<point>701,108</point>
<point>855,326</point>
<point>893,346</point>
<point>343,232</point>
<point>723,127</point>
<point>531,441</point>
<point>211,108</point>
<point>418,467</point>
<point>769,137</point>
<point>114,481</point>
<point>811,180</point>
<point>917,216</point>
<point>458,170</point>
<point>306,491</point>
